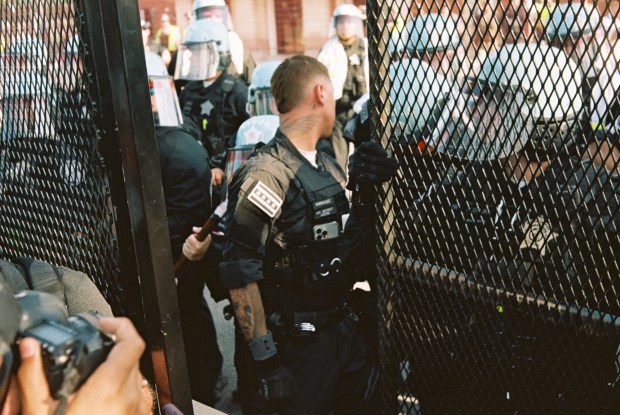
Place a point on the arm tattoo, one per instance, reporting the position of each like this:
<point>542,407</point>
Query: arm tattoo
<point>249,311</point>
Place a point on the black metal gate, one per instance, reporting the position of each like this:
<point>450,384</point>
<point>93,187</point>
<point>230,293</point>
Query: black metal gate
<point>499,290</point>
<point>79,173</point>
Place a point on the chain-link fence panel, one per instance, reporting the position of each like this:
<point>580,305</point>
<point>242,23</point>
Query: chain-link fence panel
<point>79,172</point>
<point>55,199</point>
<point>500,280</point>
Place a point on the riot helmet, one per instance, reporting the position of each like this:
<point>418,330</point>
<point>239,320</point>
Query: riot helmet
<point>213,9</point>
<point>526,97</point>
<point>26,105</point>
<point>254,130</point>
<point>571,28</point>
<point>204,52</point>
<point>433,38</point>
<point>347,22</point>
<point>259,129</point>
<point>164,101</point>
<point>417,95</point>
<point>25,53</point>
<point>259,92</point>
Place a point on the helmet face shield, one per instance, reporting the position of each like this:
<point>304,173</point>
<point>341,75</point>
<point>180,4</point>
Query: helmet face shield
<point>197,62</point>
<point>260,102</point>
<point>492,124</point>
<point>164,103</point>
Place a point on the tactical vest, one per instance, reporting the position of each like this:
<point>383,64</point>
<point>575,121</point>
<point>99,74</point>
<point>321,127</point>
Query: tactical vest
<point>355,82</point>
<point>313,258</point>
<point>215,128</point>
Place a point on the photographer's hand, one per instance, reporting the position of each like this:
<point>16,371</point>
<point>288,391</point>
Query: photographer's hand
<point>116,387</point>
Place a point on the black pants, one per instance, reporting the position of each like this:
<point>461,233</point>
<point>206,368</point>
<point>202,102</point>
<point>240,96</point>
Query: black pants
<point>334,373</point>
<point>204,359</point>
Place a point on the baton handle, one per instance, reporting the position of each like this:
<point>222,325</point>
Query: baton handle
<point>207,228</point>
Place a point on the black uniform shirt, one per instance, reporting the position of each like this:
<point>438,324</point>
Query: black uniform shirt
<point>218,110</point>
<point>257,235</point>
<point>186,180</point>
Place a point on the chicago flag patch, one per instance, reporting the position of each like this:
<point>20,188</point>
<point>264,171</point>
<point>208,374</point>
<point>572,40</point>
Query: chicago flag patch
<point>265,199</point>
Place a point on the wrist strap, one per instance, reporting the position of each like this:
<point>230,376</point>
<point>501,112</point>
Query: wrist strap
<point>263,347</point>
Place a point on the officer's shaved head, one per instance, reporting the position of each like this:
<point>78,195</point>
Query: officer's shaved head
<point>290,79</point>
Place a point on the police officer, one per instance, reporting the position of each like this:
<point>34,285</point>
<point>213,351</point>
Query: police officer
<point>286,238</point>
<point>522,215</point>
<point>214,100</point>
<point>242,62</point>
<point>346,57</point>
<point>576,28</point>
<point>186,178</point>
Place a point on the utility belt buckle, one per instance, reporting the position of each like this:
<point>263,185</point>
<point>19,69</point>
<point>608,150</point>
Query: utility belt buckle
<point>305,330</point>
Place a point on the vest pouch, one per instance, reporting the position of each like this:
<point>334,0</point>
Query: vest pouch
<point>317,266</point>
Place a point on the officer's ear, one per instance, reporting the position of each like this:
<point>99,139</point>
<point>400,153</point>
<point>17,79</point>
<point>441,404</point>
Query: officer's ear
<point>320,92</point>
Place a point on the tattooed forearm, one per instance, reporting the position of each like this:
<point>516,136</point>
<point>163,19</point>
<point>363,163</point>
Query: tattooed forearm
<point>249,311</point>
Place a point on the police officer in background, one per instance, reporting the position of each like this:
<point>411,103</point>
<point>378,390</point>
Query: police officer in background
<point>214,100</point>
<point>287,238</point>
<point>576,28</point>
<point>186,178</point>
<point>345,55</point>
<point>242,62</point>
<point>520,217</point>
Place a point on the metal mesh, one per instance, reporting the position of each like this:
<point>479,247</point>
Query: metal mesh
<point>499,290</point>
<point>54,196</point>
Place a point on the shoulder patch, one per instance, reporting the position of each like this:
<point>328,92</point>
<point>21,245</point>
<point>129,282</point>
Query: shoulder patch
<point>265,199</point>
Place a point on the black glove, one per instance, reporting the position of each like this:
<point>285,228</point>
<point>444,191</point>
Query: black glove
<point>276,384</point>
<point>370,165</point>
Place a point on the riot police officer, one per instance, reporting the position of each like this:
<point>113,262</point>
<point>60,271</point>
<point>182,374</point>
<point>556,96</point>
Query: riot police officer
<point>346,57</point>
<point>214,100</point>
<point>576,28</point>
<point>520,217</point>
<point>186,178</point>
<point>260,99</point>
<point>286,238</point>
<point>242,62</point>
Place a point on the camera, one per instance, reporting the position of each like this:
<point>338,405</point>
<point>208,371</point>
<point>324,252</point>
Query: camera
<point>72,347</point>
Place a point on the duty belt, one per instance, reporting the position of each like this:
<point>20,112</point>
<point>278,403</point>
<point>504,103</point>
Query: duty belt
<point>312,322</point>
